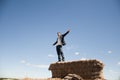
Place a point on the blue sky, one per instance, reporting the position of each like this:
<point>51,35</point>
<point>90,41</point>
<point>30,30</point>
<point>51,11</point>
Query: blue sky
<point>28,29</point>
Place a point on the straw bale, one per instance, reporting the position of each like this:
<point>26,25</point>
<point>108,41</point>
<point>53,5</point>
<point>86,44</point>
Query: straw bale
<point>87,69</point>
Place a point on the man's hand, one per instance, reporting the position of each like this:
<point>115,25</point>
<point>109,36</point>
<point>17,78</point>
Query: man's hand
<point>68,30</point>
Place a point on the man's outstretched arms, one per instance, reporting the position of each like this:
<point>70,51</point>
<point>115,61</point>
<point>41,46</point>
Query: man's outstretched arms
<point>66,32</point>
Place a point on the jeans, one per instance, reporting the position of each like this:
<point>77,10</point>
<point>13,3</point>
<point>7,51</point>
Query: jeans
<point>60,53</point>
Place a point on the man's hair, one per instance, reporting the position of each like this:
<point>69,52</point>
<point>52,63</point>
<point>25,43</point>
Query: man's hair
<point>58,32</point>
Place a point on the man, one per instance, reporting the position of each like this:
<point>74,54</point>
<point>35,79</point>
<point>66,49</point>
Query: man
<point>59,43</point>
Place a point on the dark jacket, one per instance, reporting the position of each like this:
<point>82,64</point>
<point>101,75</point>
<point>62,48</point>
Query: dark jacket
<point>62,39</point>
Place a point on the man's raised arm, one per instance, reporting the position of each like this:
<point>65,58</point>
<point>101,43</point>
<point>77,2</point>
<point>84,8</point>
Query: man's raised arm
<point>66,32</point>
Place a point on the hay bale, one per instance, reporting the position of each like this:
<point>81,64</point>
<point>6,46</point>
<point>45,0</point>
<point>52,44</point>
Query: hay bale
<point>87,69</point>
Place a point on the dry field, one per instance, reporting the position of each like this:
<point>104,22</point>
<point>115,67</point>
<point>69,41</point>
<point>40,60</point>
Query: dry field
<point>42,79</point>
<point>30,79</point>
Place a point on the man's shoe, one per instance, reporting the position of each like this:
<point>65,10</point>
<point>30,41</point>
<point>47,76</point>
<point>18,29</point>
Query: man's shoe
<point>59,61</point>
<point>63,60</point>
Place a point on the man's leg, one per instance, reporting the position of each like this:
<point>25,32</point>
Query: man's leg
<point>62,55</point>
<point>58,52</point>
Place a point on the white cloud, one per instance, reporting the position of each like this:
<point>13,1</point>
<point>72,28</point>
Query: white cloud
<point>118,63</point>
<point>23,61</point>
<point>41,66</point>
<point>28,64</point>
<point>50,55</point>
<point>77,53</point>
<point>34,65</point>
<point>114,72</point>
<point>110,51</point>
<point>83,58</point>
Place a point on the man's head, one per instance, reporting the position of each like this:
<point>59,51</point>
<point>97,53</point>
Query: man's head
<point>58,33</point>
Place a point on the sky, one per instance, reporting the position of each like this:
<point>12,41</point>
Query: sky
<point>28,28</point>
